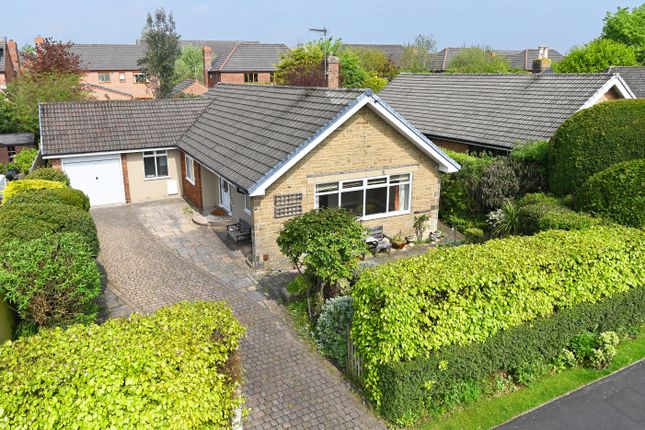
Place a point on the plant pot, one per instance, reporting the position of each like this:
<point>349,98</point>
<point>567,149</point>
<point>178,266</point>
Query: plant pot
<point>411,238</point>
<point>398,245</point>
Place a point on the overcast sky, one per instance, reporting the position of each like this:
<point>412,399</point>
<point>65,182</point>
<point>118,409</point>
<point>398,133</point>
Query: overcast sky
<point>501,24</point>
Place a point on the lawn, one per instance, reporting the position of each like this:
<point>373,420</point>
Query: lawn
<point>490,412</point>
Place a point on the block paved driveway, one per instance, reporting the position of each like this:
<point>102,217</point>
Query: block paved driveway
<point>286,383</point>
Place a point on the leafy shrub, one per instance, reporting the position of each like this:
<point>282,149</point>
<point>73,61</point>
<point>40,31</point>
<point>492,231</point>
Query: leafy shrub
<point>67,196</point>
<point>49,174</point>
<point>540,212</point>
<point>594,139</point>
<point>25,158</point>
<point>50,281</point>
<point>298,285</point>
<point>474,235</point>
<point>593,349</point>
<point>532,153</point>
<point>566,219</point>
<point>16,187</point>
<point>331,328</point>
<point>175,368</point>
<point>617,193</point>
<point>505,221</point>
<point>457,296</point>
<point>406,393</point>
<point>539,199</point>
<point>32,221</point>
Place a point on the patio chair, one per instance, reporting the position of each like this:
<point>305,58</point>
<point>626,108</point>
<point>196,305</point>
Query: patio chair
<point>376,241</point>
<point>239,232</point>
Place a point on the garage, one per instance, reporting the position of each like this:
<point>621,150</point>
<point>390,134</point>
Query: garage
<point>100,177</point>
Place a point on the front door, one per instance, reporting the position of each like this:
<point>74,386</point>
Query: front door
<point>225,195</point>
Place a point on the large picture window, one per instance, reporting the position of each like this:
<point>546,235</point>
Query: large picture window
<point>155,164</point>
<point>367,198</point>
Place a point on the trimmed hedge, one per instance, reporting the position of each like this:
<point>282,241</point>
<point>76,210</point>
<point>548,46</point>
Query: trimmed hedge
<point>16,187</point>
<point>67,196</point>
<point>25,158</point>
<point>50,281</point>
<point>49,174</point>
<point>406,393</point>
<point>176,368</point>
<point>32,221</point>
<point>594,139</point>
<point>466,294</point>
<point>617,193</point>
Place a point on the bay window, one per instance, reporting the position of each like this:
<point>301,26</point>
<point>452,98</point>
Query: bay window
<point>369,197</point>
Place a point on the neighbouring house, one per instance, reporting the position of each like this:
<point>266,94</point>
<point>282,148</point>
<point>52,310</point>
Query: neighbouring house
<point>634,76</point>
<point>10,62</point>
<point>263,153</point>
<point>12,143</point>
<point>495,113</point>
<point>246,62</point>
<point>519,59</point>
<point>188,88</point>
<point>392,52</point>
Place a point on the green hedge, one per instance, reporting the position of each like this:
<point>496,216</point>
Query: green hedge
<point>617,193</point>
<point>32,221</point>
<point>176,368</point>
<point>16,187</point>
<point>50,281</point>
<point>462,295</point>
<point>67,196</point>
<point>25,158</point>
<point>593,140</point>
<point>406,394</point>
<point>541,212</point>
<point>49,174</point>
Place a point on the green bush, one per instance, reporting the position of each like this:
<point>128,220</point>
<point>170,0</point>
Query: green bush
<point>49,174</point>
<point>617,193</point>
<point>25,158</point>
<point>532,153</point>
<point>331,328</point>
<point>540,212</point>
<point>67,196</point>
<point>33,220</point>
<point>50,281</point>
<point>594,139</point>
<point>474,235</point>
<point>16,187</point>
<point>176,368</point>
<point>430,385</point>
<point>457,296</point>
<point>593,349</point>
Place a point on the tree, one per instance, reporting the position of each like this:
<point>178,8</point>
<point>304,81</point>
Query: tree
<point>596,56</point>
<point>190,65</point>
<point>162,50</point>
<point>8,122</point>
<point>53,56</point>
<point>478,60</point>
<point>417,56</point>
<point>377,62</point>
<point>628,28</point>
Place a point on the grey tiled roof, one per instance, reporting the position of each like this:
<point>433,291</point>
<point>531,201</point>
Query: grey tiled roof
<point>250,57</point>
<point>181,86</point>
<point>17,139</point>
<point>108,56</point>
<point>83,127</point>
<point>634,77</point>
<point>393,52</point>
<point>520,59</point>
<point>249,129</point>
<point>3,48</point>
<point>491,110</point>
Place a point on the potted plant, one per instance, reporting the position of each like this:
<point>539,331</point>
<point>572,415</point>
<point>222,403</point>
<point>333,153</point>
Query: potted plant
<point>398,241</point>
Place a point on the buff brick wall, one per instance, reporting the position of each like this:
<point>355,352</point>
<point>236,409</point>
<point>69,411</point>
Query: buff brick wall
<point>364,146</point>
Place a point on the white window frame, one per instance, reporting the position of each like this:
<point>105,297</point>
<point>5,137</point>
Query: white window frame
<point>122,77</point>
<point>144,81</point>
<point>190,176</point>
<point>109,77</point>
<point>364,188</point>
<point>155,154</point>
<point>251,77</point>
<point>247,201</point>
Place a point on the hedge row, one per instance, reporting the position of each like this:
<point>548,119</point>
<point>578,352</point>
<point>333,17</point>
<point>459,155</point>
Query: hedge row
<point>617,193</point>
<point>406,393</point>
<point>176,368</point>
<point>67,196</point>
<point>49,174</point>
<point>541,212</point>
<point>456,296</point>
<point>16,187</point>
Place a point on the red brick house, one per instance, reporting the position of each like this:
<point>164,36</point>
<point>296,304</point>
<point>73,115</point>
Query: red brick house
<point>11,144</point>
<point>10,62</point>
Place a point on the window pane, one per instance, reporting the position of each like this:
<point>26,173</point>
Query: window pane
<point>395,179</point>
<point>353,201</point>
<point>162,165</point>
<point>353,184</point>
<point>328,201</point>
<point>189,168</point>
<point>399,197</point>
<point>148,153</point>
<point>375,201</point>
<point>376,181</point>
<point>329,186</point>
<point>149,167</point>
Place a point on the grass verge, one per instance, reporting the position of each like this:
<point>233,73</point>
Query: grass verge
<point>492,411</point>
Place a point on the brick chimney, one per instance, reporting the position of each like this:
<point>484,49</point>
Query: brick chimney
<point>39,40</point>
<point>208,60</point>
<point>333,72</point>
<point>12,60</point>
<point>542,63</point>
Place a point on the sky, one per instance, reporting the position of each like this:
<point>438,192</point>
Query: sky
<point>500,24</point>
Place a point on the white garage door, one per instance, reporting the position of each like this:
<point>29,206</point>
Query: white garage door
<point>100,177</point>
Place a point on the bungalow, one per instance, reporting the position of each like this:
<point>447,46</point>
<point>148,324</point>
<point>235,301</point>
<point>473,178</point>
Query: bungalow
<point>12,143</point>
<point>495,113</point>
<point>261,153</point>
